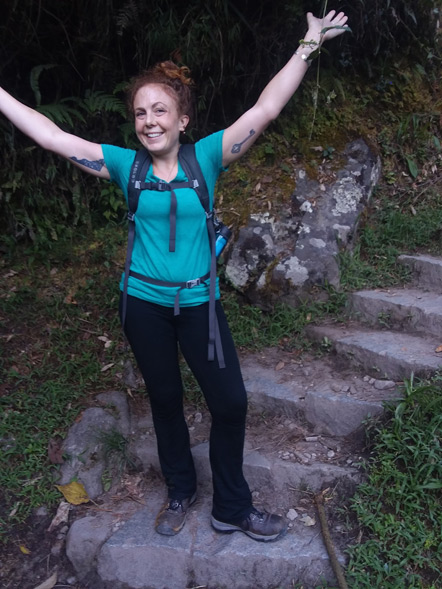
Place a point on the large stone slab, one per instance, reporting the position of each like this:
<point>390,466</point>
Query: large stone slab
<point>391,354</point>
<point>411,310</point>
<point>136,557</point>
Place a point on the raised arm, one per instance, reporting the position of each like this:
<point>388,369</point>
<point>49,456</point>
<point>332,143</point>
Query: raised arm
<point>244,132</point>
<point>86,155</point>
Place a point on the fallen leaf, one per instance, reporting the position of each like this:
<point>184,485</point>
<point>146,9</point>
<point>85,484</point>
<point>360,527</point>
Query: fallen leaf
<point>49,583</point>
<point>106,340</point>
<point>24,549</point>
<point>14,510</point>
<point>55,451</point>
<point>69,299</point>
<point>258,187</point>
<point>61,516</point>
<point>10,274</point>
<point>133,485</point>
<point>439,349</point>
<point>74,492</point>
<point>107,367</point>
<point>280,365</point>
<point>307,520</point>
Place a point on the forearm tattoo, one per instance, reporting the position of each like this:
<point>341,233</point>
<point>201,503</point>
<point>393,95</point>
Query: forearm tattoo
<point>96,165</point>
<point>237,147</point>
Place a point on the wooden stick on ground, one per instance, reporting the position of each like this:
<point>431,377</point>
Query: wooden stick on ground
<point>337,569</point>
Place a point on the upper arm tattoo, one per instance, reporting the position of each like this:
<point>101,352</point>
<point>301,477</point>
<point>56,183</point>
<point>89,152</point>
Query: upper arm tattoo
<point>237,147</point>
<point>96,165</point>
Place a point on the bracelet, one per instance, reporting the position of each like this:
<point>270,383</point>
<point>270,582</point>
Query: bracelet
<point>305,58</point>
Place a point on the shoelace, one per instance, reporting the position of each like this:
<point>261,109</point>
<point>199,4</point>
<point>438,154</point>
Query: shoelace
<point>257,514</point>
<point>174,505</point>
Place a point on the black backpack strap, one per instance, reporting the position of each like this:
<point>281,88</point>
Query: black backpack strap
<point>192,169</point>
<point>138,173</point>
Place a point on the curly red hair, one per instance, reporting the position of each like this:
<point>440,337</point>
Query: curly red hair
<point>175,78</point>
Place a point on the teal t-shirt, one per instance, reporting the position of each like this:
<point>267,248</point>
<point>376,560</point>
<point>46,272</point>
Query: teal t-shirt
<point>151,256</point>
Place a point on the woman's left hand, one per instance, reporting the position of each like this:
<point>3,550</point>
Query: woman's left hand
<point>316,25</point>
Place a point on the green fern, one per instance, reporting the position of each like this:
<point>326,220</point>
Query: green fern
<point>34,80</point>
<point>96,102</point>
<point>127,17</point>
<point>62,113</point>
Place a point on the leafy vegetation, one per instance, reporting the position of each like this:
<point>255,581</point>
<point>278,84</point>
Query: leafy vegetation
<point>232,50</point>
<point>400,504</point>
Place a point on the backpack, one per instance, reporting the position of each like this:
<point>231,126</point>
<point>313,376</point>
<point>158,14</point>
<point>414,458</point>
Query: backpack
<point>218,233</point>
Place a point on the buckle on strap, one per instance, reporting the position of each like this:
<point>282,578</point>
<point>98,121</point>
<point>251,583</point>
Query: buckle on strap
<point>192,283</point>
<point>162,186</point>
<point>130,216</point>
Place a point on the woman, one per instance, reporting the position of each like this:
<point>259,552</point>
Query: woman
<point>161,102</point>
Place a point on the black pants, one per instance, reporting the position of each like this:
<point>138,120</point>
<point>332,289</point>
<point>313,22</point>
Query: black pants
<point>154,334</point>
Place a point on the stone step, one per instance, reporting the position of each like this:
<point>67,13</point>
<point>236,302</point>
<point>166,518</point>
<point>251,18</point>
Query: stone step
<point>426,270</point>
<point>316,462</point>
<point>332,400</point>
<point>136,557</point>
<point>405,309</point>
<point>389,354</point>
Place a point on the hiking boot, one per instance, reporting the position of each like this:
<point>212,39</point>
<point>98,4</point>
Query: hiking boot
<point>172,516</point>
<point>258,525</point>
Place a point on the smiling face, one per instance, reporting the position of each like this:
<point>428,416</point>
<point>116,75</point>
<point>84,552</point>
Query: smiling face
<point>158,122</point>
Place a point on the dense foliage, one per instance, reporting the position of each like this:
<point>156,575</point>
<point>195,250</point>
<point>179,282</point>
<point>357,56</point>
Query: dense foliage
<point>71,61</point>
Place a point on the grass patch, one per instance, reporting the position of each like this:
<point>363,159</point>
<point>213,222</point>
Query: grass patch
<point>60,343</point>
<point>399,506</point>
<point>253,328</point>
<point>391,227</point>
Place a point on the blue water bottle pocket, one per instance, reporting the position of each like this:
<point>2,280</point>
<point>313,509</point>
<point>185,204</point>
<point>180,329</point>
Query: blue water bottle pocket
<point>222,236</point>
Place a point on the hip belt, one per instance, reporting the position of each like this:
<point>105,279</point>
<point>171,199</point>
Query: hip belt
<point>214,333</point>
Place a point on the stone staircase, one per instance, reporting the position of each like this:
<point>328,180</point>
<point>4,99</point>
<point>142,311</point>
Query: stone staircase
<point>398,330</point>
<point>304,435</point>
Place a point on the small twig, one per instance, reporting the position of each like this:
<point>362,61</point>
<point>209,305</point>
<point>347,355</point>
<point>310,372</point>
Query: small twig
<point>427,184</point>
<point>319,500</point>
<point>316,94</point>
<point>301,491</point>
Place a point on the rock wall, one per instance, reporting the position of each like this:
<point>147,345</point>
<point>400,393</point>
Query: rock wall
<point>281,255</point>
